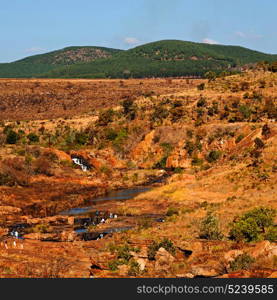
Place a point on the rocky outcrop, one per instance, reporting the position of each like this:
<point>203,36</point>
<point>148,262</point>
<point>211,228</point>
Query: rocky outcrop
<point>163,261</point>
<point>99,159</point>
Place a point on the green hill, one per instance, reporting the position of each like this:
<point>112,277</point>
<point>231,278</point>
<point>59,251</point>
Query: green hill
<point>165,58</point>
<point>159,59</point>
<point>36,65</point>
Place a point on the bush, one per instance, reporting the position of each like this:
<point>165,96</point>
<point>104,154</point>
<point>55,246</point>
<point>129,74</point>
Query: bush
<point>114,264</point>
<point>172,211</point>
<point>209,228</point>
<point>155,246</point>
<point>259,144</point>
<point>6,180</point>
<point>123,256</point>
<point>12,137</point>
<point>129,109</point>
<point>245,111</point>
<point>197,161</point>
<point>244,86</point>
<point>120,138</point>
<point>105,117</point>
<point>161,164</point>
<point>160,113</point>
<point>242,262</point>
<point>190,147</point>
<point>81,138</point>
<point>201,87</point>
<point>266,131</point>
<point>252,225</point>
<point>202,102</point>
<point>168,246</point>
<point>271,234</point>
<point>33,138</point>
<point>123,252</point>
<point>134,269</point>
<point>239,138</point>
<point>213,156</point>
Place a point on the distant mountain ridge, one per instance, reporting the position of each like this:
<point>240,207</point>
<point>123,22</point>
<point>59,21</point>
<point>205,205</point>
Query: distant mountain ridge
<point>168,58</point>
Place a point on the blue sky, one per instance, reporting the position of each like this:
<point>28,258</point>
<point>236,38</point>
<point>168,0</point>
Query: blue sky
<point>30,27</point>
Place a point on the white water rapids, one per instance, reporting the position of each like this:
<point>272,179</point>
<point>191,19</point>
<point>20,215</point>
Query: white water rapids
<point>80,163</point>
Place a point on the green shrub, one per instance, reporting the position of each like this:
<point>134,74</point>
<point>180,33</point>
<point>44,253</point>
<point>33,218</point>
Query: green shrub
<point>197,161</point>
<point>111,134</point>
<point>123,252</point>
<point>201,87</point>
<point>252,225</point>
<point>172,211</point>
<point>202,102</point>
<point>122,135</point>
<point>242,262</point>
<point>105,117</point>
<point>245,111</point>
<point>152,250</point>
<point>155,246</point>
<point>33,138</point>
<point>81,138</point>
<point>271,234</point>
<point>160,113</point>
<point>259,144</point>
<point>209,228</point>
<point>190,147</point>
<point>213,156</point>
<point>6,180</point>
<point>168,246</point>
<point>161,164</point>
<point>129,109</point>
<point>167,148</point>
<point>114,264</point>
<point>12,137</point>
<point>266,131</point>
<point>239,138</point>
<point>134,269</point>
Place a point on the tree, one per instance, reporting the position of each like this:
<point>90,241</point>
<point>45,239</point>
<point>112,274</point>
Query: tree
<point>252,226</point>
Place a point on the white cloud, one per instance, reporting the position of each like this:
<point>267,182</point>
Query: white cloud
<point>209,41</point>
<point>250,36</point>
<point>240,34</point>
<point>131,40</point>
<point>34,50</point>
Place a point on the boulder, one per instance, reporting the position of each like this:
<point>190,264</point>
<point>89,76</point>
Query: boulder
<point>232,254</point>
<point>261,249</point>
<point>142,263</point>
<point>164,260</point>
<point>211,268</point>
